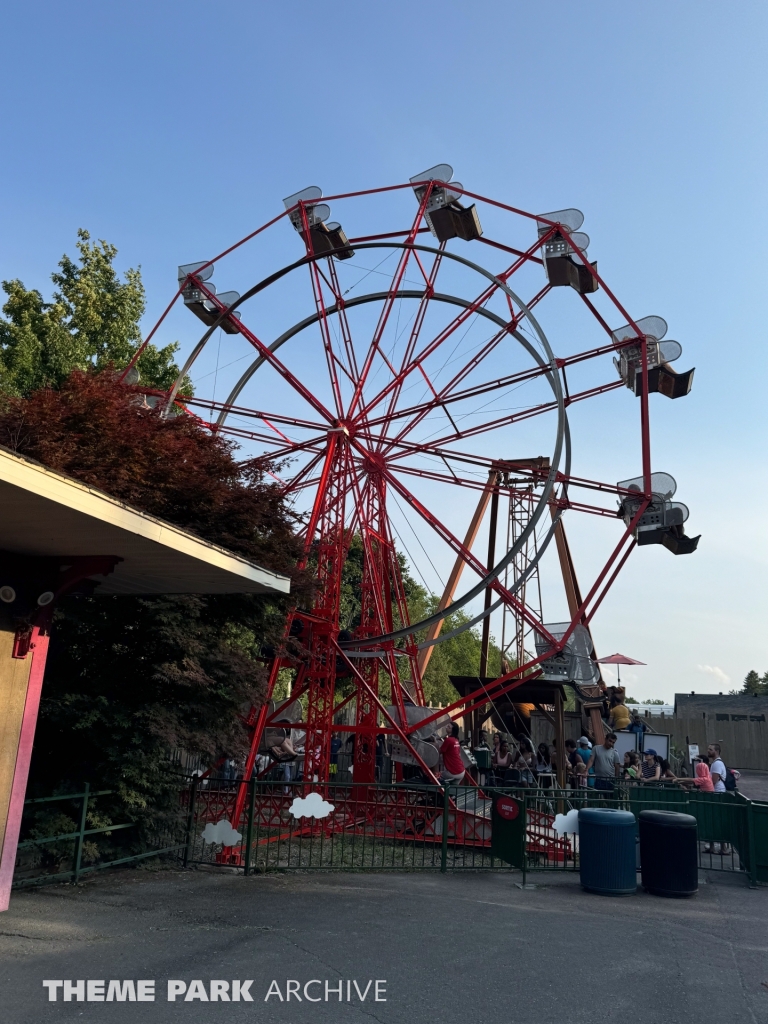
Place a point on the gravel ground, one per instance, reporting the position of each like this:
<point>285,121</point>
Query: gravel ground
<point>462,947</point>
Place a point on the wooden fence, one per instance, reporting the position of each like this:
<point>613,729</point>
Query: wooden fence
<point>744,744</point>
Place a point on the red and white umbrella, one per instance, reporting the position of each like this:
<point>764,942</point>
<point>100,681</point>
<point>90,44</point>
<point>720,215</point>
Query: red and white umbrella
<point>618,659</point>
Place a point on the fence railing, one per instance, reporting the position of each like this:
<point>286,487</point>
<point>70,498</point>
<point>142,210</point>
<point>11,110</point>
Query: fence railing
<point>732,831</point>
<point>81,805</point>
<point>423,827</point>
<point>403,827</point>
<point>366,827</point>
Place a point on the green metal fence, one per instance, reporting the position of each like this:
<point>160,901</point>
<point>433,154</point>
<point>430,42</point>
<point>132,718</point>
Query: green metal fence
<point>70,847</point>
<point>758,846</point>
<point>732,830</point>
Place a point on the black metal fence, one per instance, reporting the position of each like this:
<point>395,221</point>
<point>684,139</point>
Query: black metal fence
<point>423,827</point>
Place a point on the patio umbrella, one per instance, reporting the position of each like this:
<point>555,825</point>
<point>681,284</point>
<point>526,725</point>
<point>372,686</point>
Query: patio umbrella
<point>618,659</point>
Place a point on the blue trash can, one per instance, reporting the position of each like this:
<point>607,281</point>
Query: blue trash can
<point>607,851</point>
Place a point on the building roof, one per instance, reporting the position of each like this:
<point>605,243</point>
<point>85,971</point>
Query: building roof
<point>691,705</point>
<point>537,691</point>
<point>47,513</point>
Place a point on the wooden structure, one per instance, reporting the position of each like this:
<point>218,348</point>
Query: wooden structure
<point>548,698</point>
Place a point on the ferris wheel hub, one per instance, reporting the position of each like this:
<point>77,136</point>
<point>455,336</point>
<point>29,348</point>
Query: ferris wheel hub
<point>374,463</point>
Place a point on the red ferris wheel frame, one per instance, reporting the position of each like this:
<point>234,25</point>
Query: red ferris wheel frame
<point>356,456</point>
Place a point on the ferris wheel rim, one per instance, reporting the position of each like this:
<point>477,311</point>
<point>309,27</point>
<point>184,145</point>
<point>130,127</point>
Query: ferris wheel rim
<point>553,378</point>
<point>359,300</point>
<point>301,325</point>
<point>312,258</point>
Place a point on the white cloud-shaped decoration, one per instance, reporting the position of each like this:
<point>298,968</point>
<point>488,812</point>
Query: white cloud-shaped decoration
<point>222,832</point>
<point>311,806</point>
<point>567,823</point>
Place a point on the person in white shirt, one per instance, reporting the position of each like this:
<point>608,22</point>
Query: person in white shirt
<point>716,767</point>
<point>717,774</point>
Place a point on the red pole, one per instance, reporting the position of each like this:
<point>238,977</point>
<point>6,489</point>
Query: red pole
<point>10,840</point>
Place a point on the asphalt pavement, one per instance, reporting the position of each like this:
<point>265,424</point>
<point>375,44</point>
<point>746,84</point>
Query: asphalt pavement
<point>754,785</point>
<point>461,947</point>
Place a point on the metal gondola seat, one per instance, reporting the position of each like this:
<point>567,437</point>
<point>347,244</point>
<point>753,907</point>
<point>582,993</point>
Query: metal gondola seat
<point>659,354</point>
<point>562,265</point>
<point>662,521</point>
<point>200,302</point>
<point>574,663</point>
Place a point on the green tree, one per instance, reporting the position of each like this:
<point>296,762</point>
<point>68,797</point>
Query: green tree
<point>93,321</point>
<point>755,685</point>
<point>459,656</point>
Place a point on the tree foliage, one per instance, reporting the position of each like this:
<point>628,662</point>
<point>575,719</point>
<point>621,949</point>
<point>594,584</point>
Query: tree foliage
<point>130,677</point>
<point>93,321</point>
<point>755,684</point>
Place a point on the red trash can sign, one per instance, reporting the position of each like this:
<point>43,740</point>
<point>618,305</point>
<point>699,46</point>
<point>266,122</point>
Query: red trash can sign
<point>507,808</point>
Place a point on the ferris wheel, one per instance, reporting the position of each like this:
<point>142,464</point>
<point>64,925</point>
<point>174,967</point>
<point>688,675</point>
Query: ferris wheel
<point>391,370</point>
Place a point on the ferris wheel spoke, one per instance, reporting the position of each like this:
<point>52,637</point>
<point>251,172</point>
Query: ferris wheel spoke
<point>284,450</point>
<point>438,400</point>
<point>461,318</point>
<point>500,383</point>
<point>445,478</point>
<point>445,395</point>
<point>394,287</point>
<point>414,335</point>
<point>346,333</point>
<point>300,481</point>
<point>238,410</point>
<point>325,331</point>
<point>533,471</point>
<point>269,357</point>
<point>405,448</point>
<point>431,347</point>
<point>458,548</point>
<point>517,417</point>
<point>476,391</point>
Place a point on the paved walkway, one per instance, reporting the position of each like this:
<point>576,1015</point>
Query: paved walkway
<point>754,785</point>
<point>454,949</point>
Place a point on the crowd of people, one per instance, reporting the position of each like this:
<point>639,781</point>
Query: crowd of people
<point>585,765</point>
<point>510,761</point>
<point>514,762</point>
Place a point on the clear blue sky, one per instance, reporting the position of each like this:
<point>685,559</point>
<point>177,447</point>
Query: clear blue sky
<point>170,129</point>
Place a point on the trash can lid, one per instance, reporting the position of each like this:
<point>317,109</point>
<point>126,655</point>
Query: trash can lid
<point>673,819</point>
<point>606,816</point>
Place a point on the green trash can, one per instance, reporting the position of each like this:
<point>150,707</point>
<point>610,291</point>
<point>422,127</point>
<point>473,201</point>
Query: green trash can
<point>483,758</point>
<point>607,854</point>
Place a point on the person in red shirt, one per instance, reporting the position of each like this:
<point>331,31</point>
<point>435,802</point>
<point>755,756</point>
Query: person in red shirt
<point>453,766</point>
